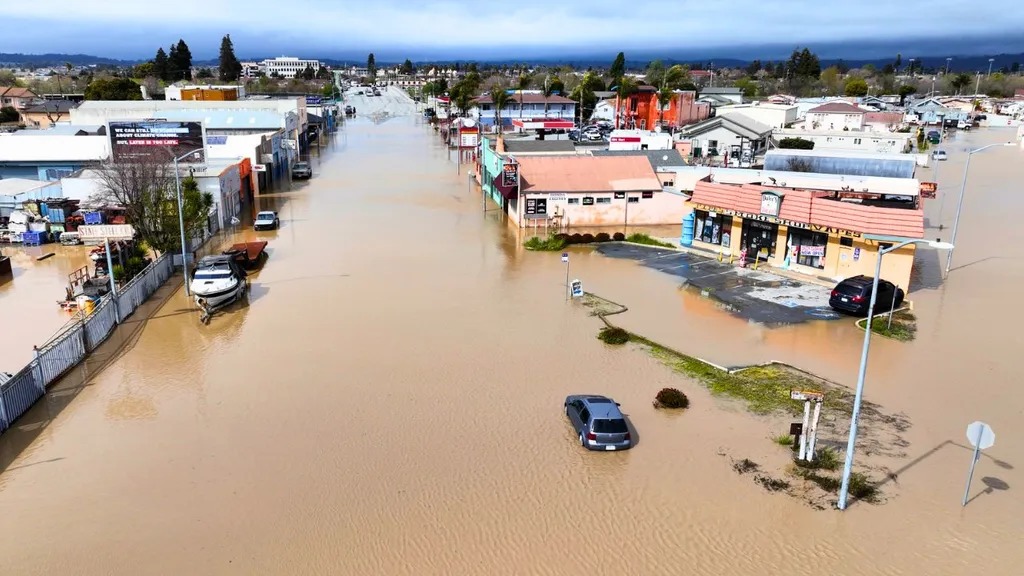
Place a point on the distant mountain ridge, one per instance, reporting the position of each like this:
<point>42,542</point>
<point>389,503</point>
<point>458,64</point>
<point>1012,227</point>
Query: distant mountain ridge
<point>638,60</point>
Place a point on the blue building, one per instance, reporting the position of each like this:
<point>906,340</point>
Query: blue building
<point>49,155</point>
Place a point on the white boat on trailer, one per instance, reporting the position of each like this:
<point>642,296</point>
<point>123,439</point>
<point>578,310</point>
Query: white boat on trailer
<point>217,281</point>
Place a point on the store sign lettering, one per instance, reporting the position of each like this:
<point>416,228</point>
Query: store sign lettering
<point>770,203</point>
<point>780,221</point>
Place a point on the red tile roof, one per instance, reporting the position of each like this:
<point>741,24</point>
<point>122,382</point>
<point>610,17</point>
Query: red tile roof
<point>813,207</point>
<point>836,108</point>
<point>587,174</point>
<point>530,99</point>
<point>16,92</point>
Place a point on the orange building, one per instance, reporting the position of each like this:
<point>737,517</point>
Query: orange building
<point>642,110</point>
<point>213,94</point>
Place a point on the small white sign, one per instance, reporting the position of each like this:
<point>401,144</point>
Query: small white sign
<point>577,289</point>
<point>565,257</point>
<point>805,395</point>
<point>981,435</point>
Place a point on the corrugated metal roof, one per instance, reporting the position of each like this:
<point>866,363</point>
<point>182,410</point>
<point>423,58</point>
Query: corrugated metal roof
<point>848,163</point>
<point>44,148</point>
<point>657,158</point>
<point>529,145</point>
<point>16,186</point>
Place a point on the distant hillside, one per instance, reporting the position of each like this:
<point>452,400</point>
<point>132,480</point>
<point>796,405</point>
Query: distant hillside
<point>42,60</point>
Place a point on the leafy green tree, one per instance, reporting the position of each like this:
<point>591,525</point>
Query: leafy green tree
<point>160,65</point>
<point>145,187</point>
<point>855,86</point>
<point>9,114</point>
<point>522,84</point>
<point>371,67</point>
<point>144,70</point>
<point>830,79</point>
<point>113,89</point>
<point>584,95</point>
<point>407,67</point>
<point>229,68</point>
<point>904,91</point>
<point>626,88</point>
<point>204,73</point>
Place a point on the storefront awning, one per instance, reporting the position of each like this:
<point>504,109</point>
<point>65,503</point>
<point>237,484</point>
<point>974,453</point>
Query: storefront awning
<point>542,124</point>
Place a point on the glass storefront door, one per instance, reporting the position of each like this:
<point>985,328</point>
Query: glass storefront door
<point>758,236</point>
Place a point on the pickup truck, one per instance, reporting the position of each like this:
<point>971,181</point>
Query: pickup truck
<point>266,220</point>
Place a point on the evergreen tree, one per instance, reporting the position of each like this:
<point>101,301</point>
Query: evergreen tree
<point>160,65</point>
<point>172,64</point>
<point>618,67</point>
<point>407,67</point>
<point>371,67</point>
<point>307,73</point>
<point>230,67</point>
<point>181,58</point>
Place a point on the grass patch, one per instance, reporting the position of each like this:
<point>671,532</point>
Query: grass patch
<point>825,459</point>
<point>645,239</point>
<point>783,440</point>
<point>902,328</point>
<point>613,335</point>
<point>862,488</point>
<point>771,484</point>
<point>550,244</point>
<point>826,483</point>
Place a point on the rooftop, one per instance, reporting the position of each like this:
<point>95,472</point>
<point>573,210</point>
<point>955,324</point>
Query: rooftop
<point>836,108</point>
<point>586,174</point>
<point>735,121</point>
<point>513,145</point>
<point>529,99</point>
<point>847,162</point>
<point>42,147</point>
<point>722,90</point>
<point>657,158</point>
<point>815,207</point>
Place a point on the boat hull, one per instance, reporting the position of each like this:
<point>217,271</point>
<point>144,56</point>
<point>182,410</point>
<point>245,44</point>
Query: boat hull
<point>212,299</point>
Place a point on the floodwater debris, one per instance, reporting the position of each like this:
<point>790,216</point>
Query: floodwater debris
<point>671,398</point>
<point>745,465</point>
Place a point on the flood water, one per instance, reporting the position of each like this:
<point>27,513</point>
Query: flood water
<point>390,402</point>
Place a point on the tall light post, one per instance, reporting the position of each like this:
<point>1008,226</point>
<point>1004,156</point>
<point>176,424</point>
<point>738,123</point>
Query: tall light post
<point>947,66</point>
<point>990,61</point>
<point>844,489</point>
<point>181,216</point>
<point>960,202</point>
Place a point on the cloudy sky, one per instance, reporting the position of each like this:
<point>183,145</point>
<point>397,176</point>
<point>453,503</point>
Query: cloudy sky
<point>474,29</point>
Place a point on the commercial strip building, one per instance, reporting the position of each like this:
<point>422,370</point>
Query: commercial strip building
<point>814,232</point>
<point>565,191</point>
<point>533,111</point>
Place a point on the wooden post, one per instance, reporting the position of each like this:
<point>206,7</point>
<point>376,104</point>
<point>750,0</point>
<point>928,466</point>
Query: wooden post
<point>814,429</point>
<point>803,432</point>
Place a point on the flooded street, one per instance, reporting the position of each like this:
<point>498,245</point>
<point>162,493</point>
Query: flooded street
<point>390,402</point>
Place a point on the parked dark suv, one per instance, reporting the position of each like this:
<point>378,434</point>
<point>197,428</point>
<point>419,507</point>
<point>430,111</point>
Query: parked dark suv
<point>853,295</point>
<point>598,422</point>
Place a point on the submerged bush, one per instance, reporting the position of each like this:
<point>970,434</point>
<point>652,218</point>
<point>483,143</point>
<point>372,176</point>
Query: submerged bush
<point>671,398</point>
<point>602,237</point>
<point>613,335</point>
<point>552,243</point>
<point>618,236</point>
<point>576,239</point>
<point>588,238</point>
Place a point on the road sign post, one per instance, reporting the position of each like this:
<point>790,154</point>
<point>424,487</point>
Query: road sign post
<point>568,288</point>
<point>577,289</point>
<point>981,436</point>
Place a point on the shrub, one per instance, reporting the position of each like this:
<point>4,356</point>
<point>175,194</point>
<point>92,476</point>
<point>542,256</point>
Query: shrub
<point>645,239</point>
<point>825,459</point>
<point>588,238</point>
<point>563,237</point>
<point>613,335</point>
<point>602,237</point>
<point>671,398</point>
<point>783,440</point>
<point>862,488</point>
<point>549,244</point>
<point>576,239</point>
<point>618,236</point>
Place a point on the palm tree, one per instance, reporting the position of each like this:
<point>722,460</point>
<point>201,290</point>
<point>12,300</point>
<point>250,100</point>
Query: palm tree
<point>549,89</point>
<point>500,98</point>
<point>665,96</point>
<point>626,88</point>
<point>522,84</point>
<point>670,80</point>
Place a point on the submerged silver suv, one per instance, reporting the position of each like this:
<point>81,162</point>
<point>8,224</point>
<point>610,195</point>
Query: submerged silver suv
<point>598,422</point>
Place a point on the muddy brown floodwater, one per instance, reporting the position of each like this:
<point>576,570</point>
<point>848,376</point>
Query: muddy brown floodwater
<point>390,402</point>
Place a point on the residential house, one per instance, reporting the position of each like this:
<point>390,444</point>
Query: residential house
<point>604,110</point>
<point>47,114</point>
<point>958,103</point>
<point>932,111</point>
<point>729,136</point>
<point>882,141</point>
<point>526,106</point>
<point>874,103</point>
<point>781,99</point>
<point>732,94</point>
<point>701,77</point>
<point>835,116</point>
<point>774,115</point>
<point>16,97</point>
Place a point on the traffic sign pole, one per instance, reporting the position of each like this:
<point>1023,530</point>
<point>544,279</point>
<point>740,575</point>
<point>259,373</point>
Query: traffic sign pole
<point>981,436</point>
<point>568,288</point>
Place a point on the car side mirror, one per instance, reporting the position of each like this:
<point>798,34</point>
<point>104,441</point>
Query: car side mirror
<point>617,404</point>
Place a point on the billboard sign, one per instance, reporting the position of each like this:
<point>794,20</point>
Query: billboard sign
<point>510,174</point>
<point>140,138</point>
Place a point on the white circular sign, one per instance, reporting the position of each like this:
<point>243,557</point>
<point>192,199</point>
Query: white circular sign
<point>980,435</point>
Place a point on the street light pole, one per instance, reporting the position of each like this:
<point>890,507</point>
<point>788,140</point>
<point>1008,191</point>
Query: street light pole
<point>181,218</point>
<point>859,395</point>
<point>960,202</point>
<point>990,61</point>
<point>947,66</point>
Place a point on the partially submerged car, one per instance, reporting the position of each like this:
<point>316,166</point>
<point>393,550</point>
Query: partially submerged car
<point>598,422</point>
<point>266,220</point>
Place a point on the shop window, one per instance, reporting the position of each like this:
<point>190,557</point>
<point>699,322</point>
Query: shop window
<point>856,140</point>
<point>604,200</point>
<point>846,241</point>
<point>715,229</point>
<point>649,195</point>
<point>713,144</point>
<point>808,248</point>
<point>633,199</point>
<point>573,201</point>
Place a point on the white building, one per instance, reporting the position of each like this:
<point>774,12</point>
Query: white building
<point>774,115</point>
<point>640,140</point>
<point>835,116</point>
<point>733,134</point>
<point>287,66</point>
<point>251,69</point>
<point>889,142</point>
<point>604,110</point>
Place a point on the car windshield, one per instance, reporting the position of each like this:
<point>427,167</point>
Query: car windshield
<point>265,216</point>
<point>302,165</point>
<point>213,275</point>
<point>607,426</point>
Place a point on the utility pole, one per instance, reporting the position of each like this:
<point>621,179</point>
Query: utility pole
<point>990,61</point>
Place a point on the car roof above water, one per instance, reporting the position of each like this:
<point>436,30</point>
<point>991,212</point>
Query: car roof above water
<point>599,406</point>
